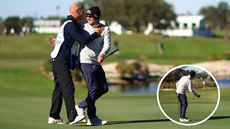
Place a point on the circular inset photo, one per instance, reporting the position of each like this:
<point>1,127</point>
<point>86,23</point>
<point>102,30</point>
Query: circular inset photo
<point>188,95</point>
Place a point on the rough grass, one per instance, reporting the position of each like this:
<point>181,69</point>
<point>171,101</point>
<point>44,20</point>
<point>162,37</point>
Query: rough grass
<point>176,50</point>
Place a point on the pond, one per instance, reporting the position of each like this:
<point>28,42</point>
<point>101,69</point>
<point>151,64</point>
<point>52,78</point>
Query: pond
<point>224,82</point>
<point>151,88</point>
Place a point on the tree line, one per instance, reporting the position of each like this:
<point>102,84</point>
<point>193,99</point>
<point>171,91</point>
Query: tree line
<point>201,80</point>
<point>16,23</point>
<point>217,17</point>
<point>175,75</point>
<point>135,14</point>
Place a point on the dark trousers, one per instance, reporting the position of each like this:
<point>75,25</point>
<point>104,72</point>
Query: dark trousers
<point>97,85</point>
<point>64,88</point>
<point>183,104</point>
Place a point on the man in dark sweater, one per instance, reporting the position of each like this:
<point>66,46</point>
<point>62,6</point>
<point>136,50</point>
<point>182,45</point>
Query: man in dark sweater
<point>70,33</point>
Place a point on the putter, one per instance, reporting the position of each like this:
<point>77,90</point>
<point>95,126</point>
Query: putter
<point>111,53</point>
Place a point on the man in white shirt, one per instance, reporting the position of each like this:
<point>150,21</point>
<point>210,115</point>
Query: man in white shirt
<point>182,85</point>
<point>91,55</point>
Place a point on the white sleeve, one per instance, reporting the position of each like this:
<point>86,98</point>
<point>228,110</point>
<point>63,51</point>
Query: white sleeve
<point>190,88</point>
<point>107,42</point>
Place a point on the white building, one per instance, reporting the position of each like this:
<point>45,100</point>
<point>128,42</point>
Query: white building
<point>187,26</point>
<point>119,29</point>
<point>116,28</point>
<point>149,29</point>
<point>47,26</point>
<point>189,22</point>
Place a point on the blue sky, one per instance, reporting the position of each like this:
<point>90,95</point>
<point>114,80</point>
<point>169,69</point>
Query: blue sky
<point>44,8</point>
<point>192,6</point>
<point>35,8</point>
<point>195,68</point>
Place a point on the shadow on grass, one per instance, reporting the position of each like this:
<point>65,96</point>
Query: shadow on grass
<point>136,121</point>
<point>132,122</point>
<point>219,117</point>
<point>156,120</point>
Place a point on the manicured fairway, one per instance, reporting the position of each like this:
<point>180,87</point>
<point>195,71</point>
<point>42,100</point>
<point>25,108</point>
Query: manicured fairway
<point>198,108</point>
<point>25,93</point>
<point>122,112</point>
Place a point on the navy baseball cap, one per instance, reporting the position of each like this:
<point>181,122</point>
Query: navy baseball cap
<point>94,12</point>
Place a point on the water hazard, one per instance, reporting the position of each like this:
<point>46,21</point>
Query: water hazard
<point>151,88</point>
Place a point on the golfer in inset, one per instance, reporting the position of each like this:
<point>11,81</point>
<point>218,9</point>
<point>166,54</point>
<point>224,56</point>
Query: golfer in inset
<point>182,85</point>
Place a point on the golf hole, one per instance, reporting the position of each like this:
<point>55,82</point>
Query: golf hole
<point>201,105</point>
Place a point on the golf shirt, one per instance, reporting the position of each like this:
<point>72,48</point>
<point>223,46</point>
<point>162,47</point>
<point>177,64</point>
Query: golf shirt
<point>183,84</point>
<point>100,46</point>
